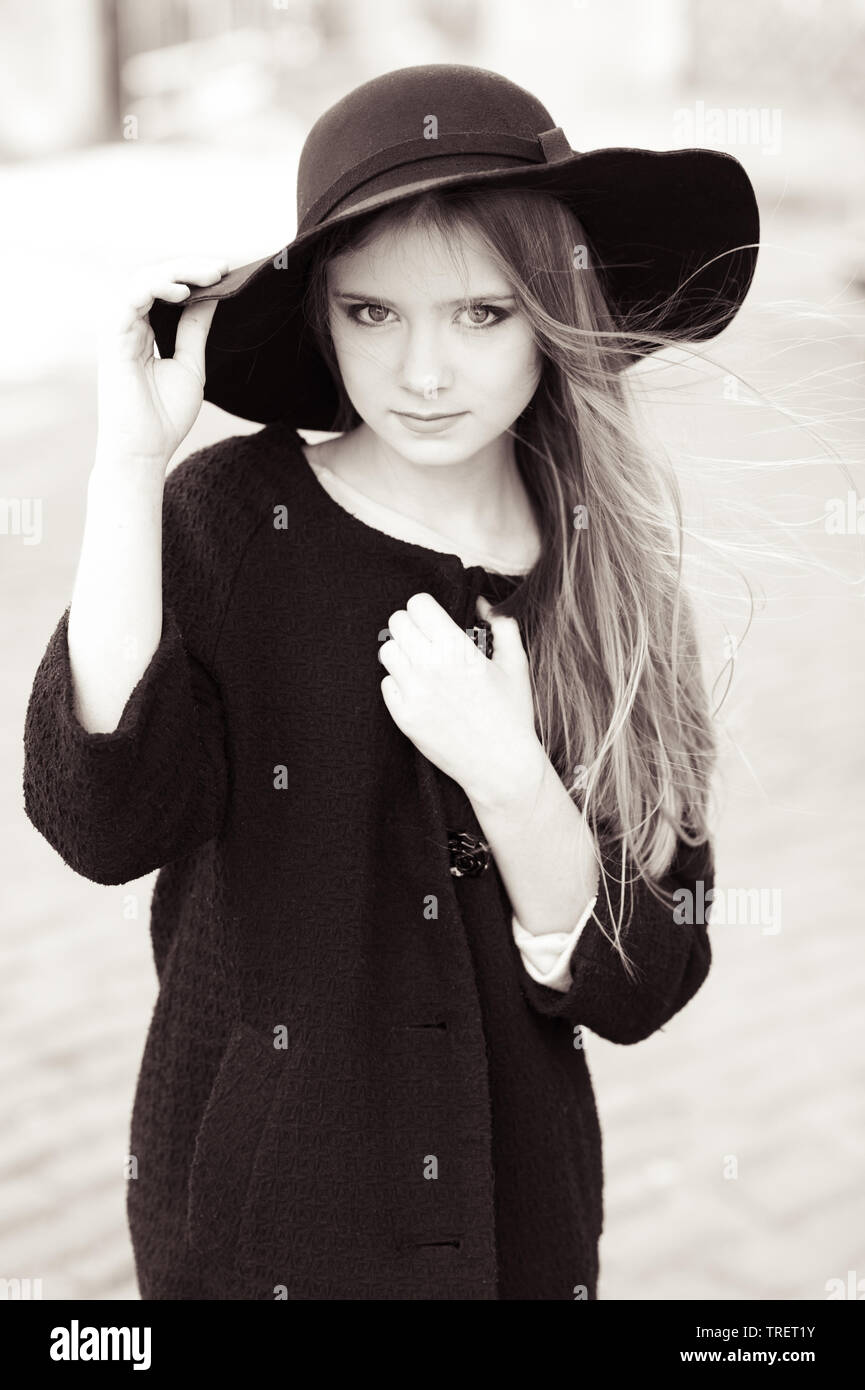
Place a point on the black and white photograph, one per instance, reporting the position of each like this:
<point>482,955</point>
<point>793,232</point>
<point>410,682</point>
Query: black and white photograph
<point>434,568</point>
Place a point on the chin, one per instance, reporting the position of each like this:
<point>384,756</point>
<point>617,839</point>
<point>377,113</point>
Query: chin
<point>454,446</point>
<point>433,451</point>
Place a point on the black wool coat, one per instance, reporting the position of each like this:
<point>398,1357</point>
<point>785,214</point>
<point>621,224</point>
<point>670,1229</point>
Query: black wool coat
<point>351,1088</point>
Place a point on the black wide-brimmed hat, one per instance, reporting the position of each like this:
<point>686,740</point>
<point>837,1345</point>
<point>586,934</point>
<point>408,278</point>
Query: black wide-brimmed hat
<point>679,225</point>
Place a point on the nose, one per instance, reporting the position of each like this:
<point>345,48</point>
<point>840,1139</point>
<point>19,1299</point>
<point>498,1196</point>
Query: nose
<point>425,371</point>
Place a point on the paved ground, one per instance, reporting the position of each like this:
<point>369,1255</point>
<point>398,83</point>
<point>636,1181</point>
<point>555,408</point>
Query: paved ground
<point>762,1075</point>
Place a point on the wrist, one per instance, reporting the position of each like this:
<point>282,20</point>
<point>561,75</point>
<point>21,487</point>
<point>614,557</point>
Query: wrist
<point>113,456</point>
<point>115,472</point>
<point>513,782</point>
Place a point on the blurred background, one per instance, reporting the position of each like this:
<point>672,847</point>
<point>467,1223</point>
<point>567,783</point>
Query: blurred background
<point>131,130</point>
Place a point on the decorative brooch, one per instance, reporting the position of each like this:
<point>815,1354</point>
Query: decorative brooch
<point>469,855</point>
<point>482,636</point>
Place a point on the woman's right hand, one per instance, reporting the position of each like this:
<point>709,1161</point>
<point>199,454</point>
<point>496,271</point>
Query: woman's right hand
<point>147,405</point>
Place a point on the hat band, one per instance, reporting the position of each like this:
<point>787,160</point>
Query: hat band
<point>548,147</point>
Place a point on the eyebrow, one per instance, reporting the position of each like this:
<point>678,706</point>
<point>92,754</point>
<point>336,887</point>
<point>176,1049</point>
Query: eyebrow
<point>449,304</point>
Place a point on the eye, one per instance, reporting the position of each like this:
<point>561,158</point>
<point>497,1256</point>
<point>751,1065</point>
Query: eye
<point>483,310</point>
<point>481,315</point>
<point>354,311</point>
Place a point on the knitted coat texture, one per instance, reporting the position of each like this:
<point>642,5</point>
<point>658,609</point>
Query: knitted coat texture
<point>350,1087</point>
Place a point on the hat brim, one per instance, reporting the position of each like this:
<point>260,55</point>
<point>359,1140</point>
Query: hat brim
<point>677,228</point>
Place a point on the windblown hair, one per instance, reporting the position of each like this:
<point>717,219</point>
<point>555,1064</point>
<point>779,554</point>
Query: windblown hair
<point>620,702</point>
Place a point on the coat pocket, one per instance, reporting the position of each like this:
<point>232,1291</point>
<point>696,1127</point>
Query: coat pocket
<point>228,1137</point>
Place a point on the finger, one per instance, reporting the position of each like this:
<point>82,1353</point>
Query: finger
<point>154,281</point>
<point>507,640</point>
<point>125,315</point>
<point>390,692</point>
<point>409,637</point>
<point>394,660</point>
<point>428,614</point>
<point>192,331</point>
<point>171,283</point>
<point>188,270</point>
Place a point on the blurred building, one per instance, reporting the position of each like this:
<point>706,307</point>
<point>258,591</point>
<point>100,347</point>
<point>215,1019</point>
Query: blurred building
<point>106,70</point>
<point>95,70</point>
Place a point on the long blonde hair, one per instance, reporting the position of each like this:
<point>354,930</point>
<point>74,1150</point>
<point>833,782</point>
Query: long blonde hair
<point>620,701</point>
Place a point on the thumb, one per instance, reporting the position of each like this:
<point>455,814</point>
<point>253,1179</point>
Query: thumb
<point>192,331</point>
<point>507,642</point>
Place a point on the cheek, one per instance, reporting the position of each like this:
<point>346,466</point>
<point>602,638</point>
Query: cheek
<point>358,360</point>
<point>513,370</point>
<point>528,356</point>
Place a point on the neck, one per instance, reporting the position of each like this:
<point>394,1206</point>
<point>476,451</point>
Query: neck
<point>478,498</point>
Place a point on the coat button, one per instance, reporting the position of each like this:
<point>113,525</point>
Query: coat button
<point>469,855</point>
<point>482,636</point>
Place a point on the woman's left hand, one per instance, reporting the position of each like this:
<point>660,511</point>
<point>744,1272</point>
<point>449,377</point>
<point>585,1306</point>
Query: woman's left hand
<point>471,715</point>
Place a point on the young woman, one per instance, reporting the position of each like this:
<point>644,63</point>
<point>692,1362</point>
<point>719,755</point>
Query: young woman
<point>411,721</point>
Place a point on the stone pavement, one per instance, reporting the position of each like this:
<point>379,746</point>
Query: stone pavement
<point>761,1076</point>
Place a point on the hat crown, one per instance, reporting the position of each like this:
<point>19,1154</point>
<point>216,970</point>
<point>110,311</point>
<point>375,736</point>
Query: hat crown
<point>411,113</point>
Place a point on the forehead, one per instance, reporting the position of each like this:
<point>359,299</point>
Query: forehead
<point>419,259</point>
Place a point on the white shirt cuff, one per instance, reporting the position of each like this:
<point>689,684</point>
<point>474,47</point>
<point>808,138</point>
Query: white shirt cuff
<point>547,957</point>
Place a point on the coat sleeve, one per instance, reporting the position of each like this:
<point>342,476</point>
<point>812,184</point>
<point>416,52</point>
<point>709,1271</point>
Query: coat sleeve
<point>116,805</point>
<point>547,957</point>
<point>670,958</point>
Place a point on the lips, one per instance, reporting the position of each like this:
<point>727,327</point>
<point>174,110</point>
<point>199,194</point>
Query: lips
<point>428,424</point>
<point>445,415</point>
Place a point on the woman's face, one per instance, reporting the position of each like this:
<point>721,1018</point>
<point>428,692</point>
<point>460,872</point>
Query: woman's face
<point>413,337</point>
